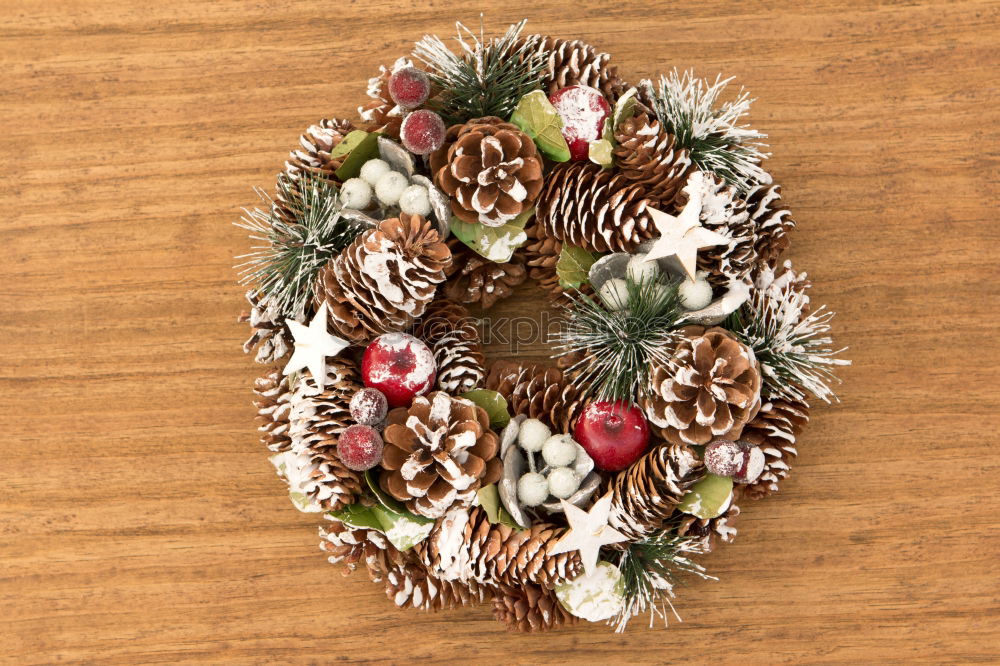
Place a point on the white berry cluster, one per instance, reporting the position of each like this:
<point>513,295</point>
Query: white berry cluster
<point>694,295</point>
<point>557,478</point>
<point>391,188</point>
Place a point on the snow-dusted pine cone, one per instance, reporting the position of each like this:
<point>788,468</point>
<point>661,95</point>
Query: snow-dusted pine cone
<point>644,495</point>
<point>318,416</point>
<point>772,222</point>
<point>384,279</point>
<point>594,208</point>
<point>529,608</point>
<point>709,531</point>
<point>648,155</point>
<point>491,170</point>
<point>273,407</point>
<point>358,546</point>
<point>474,279</point>
<point>411,586</point>
<point>451,333</point>
<point>438,453</point>
<point>312,156</point>
<point>774,430</point>
<point>270,335</point>
<point>710,389</point>
<point>537,392</point>
<point>573,62</point>
<point>317,480</point>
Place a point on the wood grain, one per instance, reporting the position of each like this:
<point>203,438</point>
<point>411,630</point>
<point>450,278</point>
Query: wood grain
<point>140,521</point>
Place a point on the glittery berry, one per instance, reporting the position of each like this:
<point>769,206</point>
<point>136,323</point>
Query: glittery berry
<point>409,87</point>
<point>360,447</point>
<point>369,406</point>
<point>422,132</point>
<point>751,465</point>
<point>723,457</point>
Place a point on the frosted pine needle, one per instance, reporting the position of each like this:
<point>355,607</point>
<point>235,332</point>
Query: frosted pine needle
<point>284,263</point>
<point>486,78</point>
<point>791,341</point>
<point>689,108</point>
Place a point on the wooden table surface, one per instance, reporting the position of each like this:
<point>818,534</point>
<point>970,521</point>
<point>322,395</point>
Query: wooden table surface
<point>140,520</point>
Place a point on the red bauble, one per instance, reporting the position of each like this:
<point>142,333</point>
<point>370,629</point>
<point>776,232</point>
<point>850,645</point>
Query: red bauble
<point>422,132</point>
<point>614,434</point>
<point>409,87</point>
<point>400,366</point>
<point>359,447</point>
<point>583,111</point>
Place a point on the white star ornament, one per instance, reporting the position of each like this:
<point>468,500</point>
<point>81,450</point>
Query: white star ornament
<point>588,532</point>
<point>312,346</point>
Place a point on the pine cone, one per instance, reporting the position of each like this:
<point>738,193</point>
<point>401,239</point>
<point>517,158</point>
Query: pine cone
<point>709,531</point>
<point>438,453</point>
<point>771,223</point>
<point>411,586</point>
<point>645,494</point>
<point>541,253</point>
<point>774,430</point>
<point>573,62</point>
<point>585,205</point>
<point>317,480</point>
<point>710,390</point>
<point>273,408</point>
<point>270,335</point>
<point>318,416</point>
<point>313,156</point>
<point>490,169</point>
<point>352,546</point>
<point>450,332</point>
<point>538,392</point>
<point>529,608</point>
<point>384,279</point>
<point>474,279</point>
<point>381,114</point>
<point>648,155</point>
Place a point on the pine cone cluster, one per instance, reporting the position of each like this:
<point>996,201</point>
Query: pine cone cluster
<point>490,169</point>
<point>384,279</point>
<point>710,389</point>
<point>538,392</point>
<point>450,332</point>
<point>573,62</point>
<point>438,453</point>
<point>602,211</point>
<point>644,495</point>
<point>270,335</point>
<point>473,278</point>
<point>774,430</point>
<point>648,155</point>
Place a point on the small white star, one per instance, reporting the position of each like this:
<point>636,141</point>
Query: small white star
<point>312,345</point>
<point>682,235</point>
<point>588,532</point>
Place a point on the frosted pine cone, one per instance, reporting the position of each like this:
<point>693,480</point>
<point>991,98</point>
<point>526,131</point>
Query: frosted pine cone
<point>537,392</point>
<point>273,408</point>
<point>452,335</point>
<point>317,480</point>
<point>438,453</point>
<point>774,430</point>
<point>354,546</point>
<point>490,169</point>
<point>710,389</point>
<point>313,156</point>
<point>270,336</point>
<point>772,222</point>
<point>645,494</point>
<point>411,586</point>
<point>594,208</point>
<point>474,279</point>
<point>573,62</point>
<point>381,114</point>
<point>384,279</point>
<point>648,155</point>
<point>318,416</point>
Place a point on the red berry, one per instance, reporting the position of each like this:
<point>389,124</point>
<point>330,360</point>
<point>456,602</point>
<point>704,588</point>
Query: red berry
<point>409,87</point>
<point>422,132</point>
<point>369,406</point>
<point>614,434</point>
<point>400,366</point>
<point>723,457</point>
<point>360,447</point>
<point>583,111</point>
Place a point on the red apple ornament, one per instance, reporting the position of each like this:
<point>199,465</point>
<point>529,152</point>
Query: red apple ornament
<point>615,434</point>
<point>583,111</point>
<point>359,447</point>
<point>400,366</point>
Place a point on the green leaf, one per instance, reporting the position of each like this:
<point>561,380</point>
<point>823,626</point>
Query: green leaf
<point>493,403</point>
<point>624,109</point>
<point>537,118</point>
<point>358,516</point>
<point>599,152</point>
<point>573,266</point>
<point>708,498</point>
<point>349,143</point>
<point>366,149</point>
<point>495,243</point>
<point>489,499</point>
<point>404,531</point>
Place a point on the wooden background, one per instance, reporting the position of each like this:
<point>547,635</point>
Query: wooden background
<point>139,518</point>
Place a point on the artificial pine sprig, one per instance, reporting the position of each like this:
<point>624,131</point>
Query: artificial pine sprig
<point>791,341</point>
<point>688,108</point>
<point>616,347</point>
<point>485,78</point>
<point>650,569</point>
<point>284,266</point>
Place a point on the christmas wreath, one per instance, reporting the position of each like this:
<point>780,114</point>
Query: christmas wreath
<point>685,363</point>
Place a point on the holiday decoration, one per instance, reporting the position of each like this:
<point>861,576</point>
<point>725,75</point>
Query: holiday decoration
<point>687,357</point>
